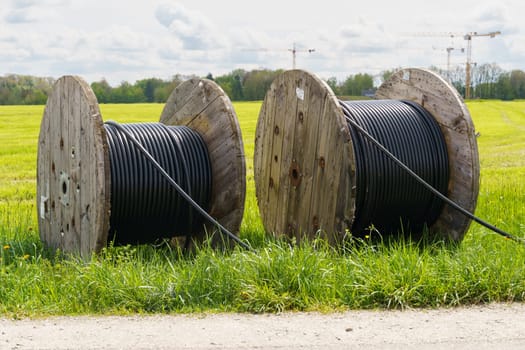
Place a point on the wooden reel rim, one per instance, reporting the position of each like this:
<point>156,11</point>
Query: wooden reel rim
<point>203,106</point>
<point>304,165</point>
<point>73,174</point>
<point>445,104</point>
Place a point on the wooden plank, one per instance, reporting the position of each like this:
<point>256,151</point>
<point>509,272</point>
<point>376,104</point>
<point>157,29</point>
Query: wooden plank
<point>87,185</point>
<point>100,177</point>
<point>275,163</point>
<point>287,169</point>
<point>71,210</point>
<point>344,203</point>
<point>330,148</point>
<point>44,165</point>
<point>270,158</point>
<point>263,153</point>
<point>303,145</point>
<point>56,164</point>
<point>308,124</point>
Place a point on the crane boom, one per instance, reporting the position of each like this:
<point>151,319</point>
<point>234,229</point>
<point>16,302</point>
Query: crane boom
<point>293,50</point>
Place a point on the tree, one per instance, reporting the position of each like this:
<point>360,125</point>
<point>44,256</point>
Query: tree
<point>225,82</point>
<point>504,88</point>
<point>162,92</point>
<point>24,89</point>
<point>517,83</point>
<point>102,90</point>
<point>127,93</point>
<point>333,84</point>
<point>356,85</point>
<point>257,82</point>
<point>232,85</point>
<point>148,87</point>
<point>237,92</point>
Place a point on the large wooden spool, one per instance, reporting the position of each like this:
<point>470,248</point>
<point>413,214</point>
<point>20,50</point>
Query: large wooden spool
<point>73,169</point>
<point>304,162</point>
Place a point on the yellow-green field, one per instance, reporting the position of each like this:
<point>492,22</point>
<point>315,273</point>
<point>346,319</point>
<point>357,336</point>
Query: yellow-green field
<point>276,276</point>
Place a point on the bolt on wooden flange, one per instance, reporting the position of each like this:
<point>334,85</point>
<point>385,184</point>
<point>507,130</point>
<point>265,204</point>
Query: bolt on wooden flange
<point>302,126</point>
<point>73,167</point>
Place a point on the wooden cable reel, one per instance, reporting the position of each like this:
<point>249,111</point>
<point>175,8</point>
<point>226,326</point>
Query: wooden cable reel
<point>73,169</point>
<point>304,161</point>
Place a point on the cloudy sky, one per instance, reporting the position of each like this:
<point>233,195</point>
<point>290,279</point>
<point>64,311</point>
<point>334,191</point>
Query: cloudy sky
<point>133,39</point>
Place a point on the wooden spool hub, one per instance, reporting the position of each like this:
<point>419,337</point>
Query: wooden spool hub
<point>304,162</point>
<point>73,169</point>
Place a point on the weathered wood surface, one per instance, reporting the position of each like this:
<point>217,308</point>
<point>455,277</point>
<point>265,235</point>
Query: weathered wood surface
<point>303,161</point>
<point>446,106</point>
<point>73,182</point>
<point>204,107</point>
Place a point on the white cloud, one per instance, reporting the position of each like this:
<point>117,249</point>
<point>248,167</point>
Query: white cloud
<point>494,17</point>
<point>20,16</point>
<point>31,11</point>
<point>23,3</point>
<point>362,36</point>
<point>191,28</point>
<point>56,37</point>
<point>121,39</point>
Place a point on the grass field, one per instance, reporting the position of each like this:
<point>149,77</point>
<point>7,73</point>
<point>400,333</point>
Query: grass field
<point>276,277</point>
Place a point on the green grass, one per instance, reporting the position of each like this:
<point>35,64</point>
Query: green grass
<point>276,276</point>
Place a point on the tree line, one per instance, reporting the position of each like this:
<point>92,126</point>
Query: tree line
<point>489,81</point>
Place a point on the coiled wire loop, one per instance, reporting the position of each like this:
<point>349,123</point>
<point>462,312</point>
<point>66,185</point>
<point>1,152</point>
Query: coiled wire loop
<point>388,199</point>
<point>144,206</point>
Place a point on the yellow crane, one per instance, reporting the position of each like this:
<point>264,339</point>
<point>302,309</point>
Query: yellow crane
<point>468,37</point>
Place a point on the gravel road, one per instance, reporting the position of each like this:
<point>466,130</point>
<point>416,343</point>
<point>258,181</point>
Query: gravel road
<point>495,326</point>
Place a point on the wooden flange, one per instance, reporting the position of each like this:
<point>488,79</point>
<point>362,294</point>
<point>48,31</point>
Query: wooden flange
<point>73,181</point>
<point>446,106</point>
<point>303,159</point>
<point>304,162</point>
<point>204,107</point>
<point>73,169</point>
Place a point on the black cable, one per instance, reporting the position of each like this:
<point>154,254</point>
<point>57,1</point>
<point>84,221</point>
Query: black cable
<point>387,197</point>
<point>175,155</point>
<point>354,126</point>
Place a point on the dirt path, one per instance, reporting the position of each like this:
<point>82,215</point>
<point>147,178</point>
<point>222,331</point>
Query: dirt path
<point>500,326</point>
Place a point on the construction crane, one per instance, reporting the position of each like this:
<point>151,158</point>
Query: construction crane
<point>293,50</point>
<point>468,37</point>
<point>449,50</point>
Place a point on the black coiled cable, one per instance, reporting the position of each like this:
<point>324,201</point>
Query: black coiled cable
<point>387,197</point>
<point>144,206</point>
